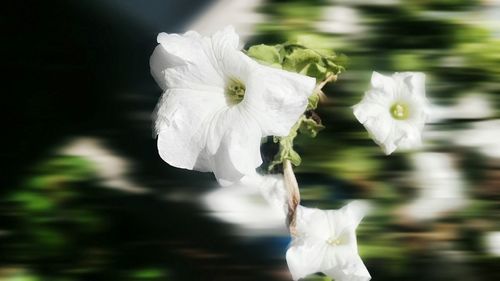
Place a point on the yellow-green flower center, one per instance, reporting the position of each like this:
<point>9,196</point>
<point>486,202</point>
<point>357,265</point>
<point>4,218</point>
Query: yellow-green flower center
<point>332,241</point>
<point>235,91</point>
<point>400,111</point>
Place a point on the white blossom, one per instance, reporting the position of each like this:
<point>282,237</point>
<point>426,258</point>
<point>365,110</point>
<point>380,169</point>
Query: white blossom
<point>253,207</point>
<point>394,110</point>
<point>492,243</point>
<point>219,103</point>
<point>440,186</point>
<point>326,242</point>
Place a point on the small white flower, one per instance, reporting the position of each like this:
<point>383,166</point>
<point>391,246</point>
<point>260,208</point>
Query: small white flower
<point>395,110</point>
<point>219,103</point>
<point>492,243</point>
<point>326,242</point>
<point>253,207</point>
<point>441,187</point>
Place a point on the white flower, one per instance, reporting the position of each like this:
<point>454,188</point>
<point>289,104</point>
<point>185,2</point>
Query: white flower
<point>441,187</point>
<point>326,242</point>
<point>395,110</point>
<point>219,103</point>
<point>492,241</point>
<point>253,206</point>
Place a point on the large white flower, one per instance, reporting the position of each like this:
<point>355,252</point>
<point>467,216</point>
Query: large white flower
<point>326,242</point>
<point>219,103</point>
<point>395,110</point>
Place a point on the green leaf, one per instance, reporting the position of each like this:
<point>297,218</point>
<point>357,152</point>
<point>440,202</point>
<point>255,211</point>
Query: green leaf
<point>304,125</point>
<point>269,55</point>
<point>33,202</point>
<point>149,274</point>
<point>335,64</point>
<point>311,58</point>
<point>286,150</point>
<point>312,101</point>
<point>317,71</point>
<point>299,60</point>
<point>318,43</point>
<point>19,275</point>
<point>310,127</point>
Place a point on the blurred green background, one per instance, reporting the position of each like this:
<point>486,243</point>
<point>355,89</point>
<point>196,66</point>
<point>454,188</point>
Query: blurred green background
<point>85,196</point>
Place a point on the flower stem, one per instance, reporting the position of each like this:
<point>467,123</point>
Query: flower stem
<point>292,188</point>
<point>328,79</point>
<point>291,185</point>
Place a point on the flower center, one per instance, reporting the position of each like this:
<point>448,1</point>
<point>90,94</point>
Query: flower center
<point>235,91</point>
<point>334,241</point>
<point>400,111</point>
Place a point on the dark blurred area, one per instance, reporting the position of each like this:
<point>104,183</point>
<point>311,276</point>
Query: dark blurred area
<point>78,68</point>
<point>86,197</point>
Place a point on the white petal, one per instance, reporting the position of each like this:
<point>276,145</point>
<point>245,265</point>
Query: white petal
<point>183,47</point>
<point>161,60</point>
<point>277,98</point>
<point>195,134</point>
<point>365,110</point>
<point>381,130</point>
<point>195,59</point>
<point>351,269</point>
<point>225,40</point>
<point>239,151</point>
<point>273,190</point>
<point>223,50</point>
<point>374,104</point>
<point>383,83</point>
<point>313,222</point>
<point>415,81</point>
<point>304,257</point>
<point>180,117</point>
<point>407,135</point>
<point>355,211</point>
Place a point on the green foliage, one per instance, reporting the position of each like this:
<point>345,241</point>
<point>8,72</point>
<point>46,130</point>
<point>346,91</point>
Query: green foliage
<point>63,226</point>
<point>482,56</point>
<point>310,59</point>
<point>310,127</point>
<point>19,275</point>
<point>286,151</point>
<point>348,163</point>
<point>306,126</point>
<point>149,274</point>
<point>314,62</point>
<point>51,215</point>
<point>265,54</point>
<point>447,5</point>
<point>312,101</point>
<point>300,59</point>
<point>409,61</point>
